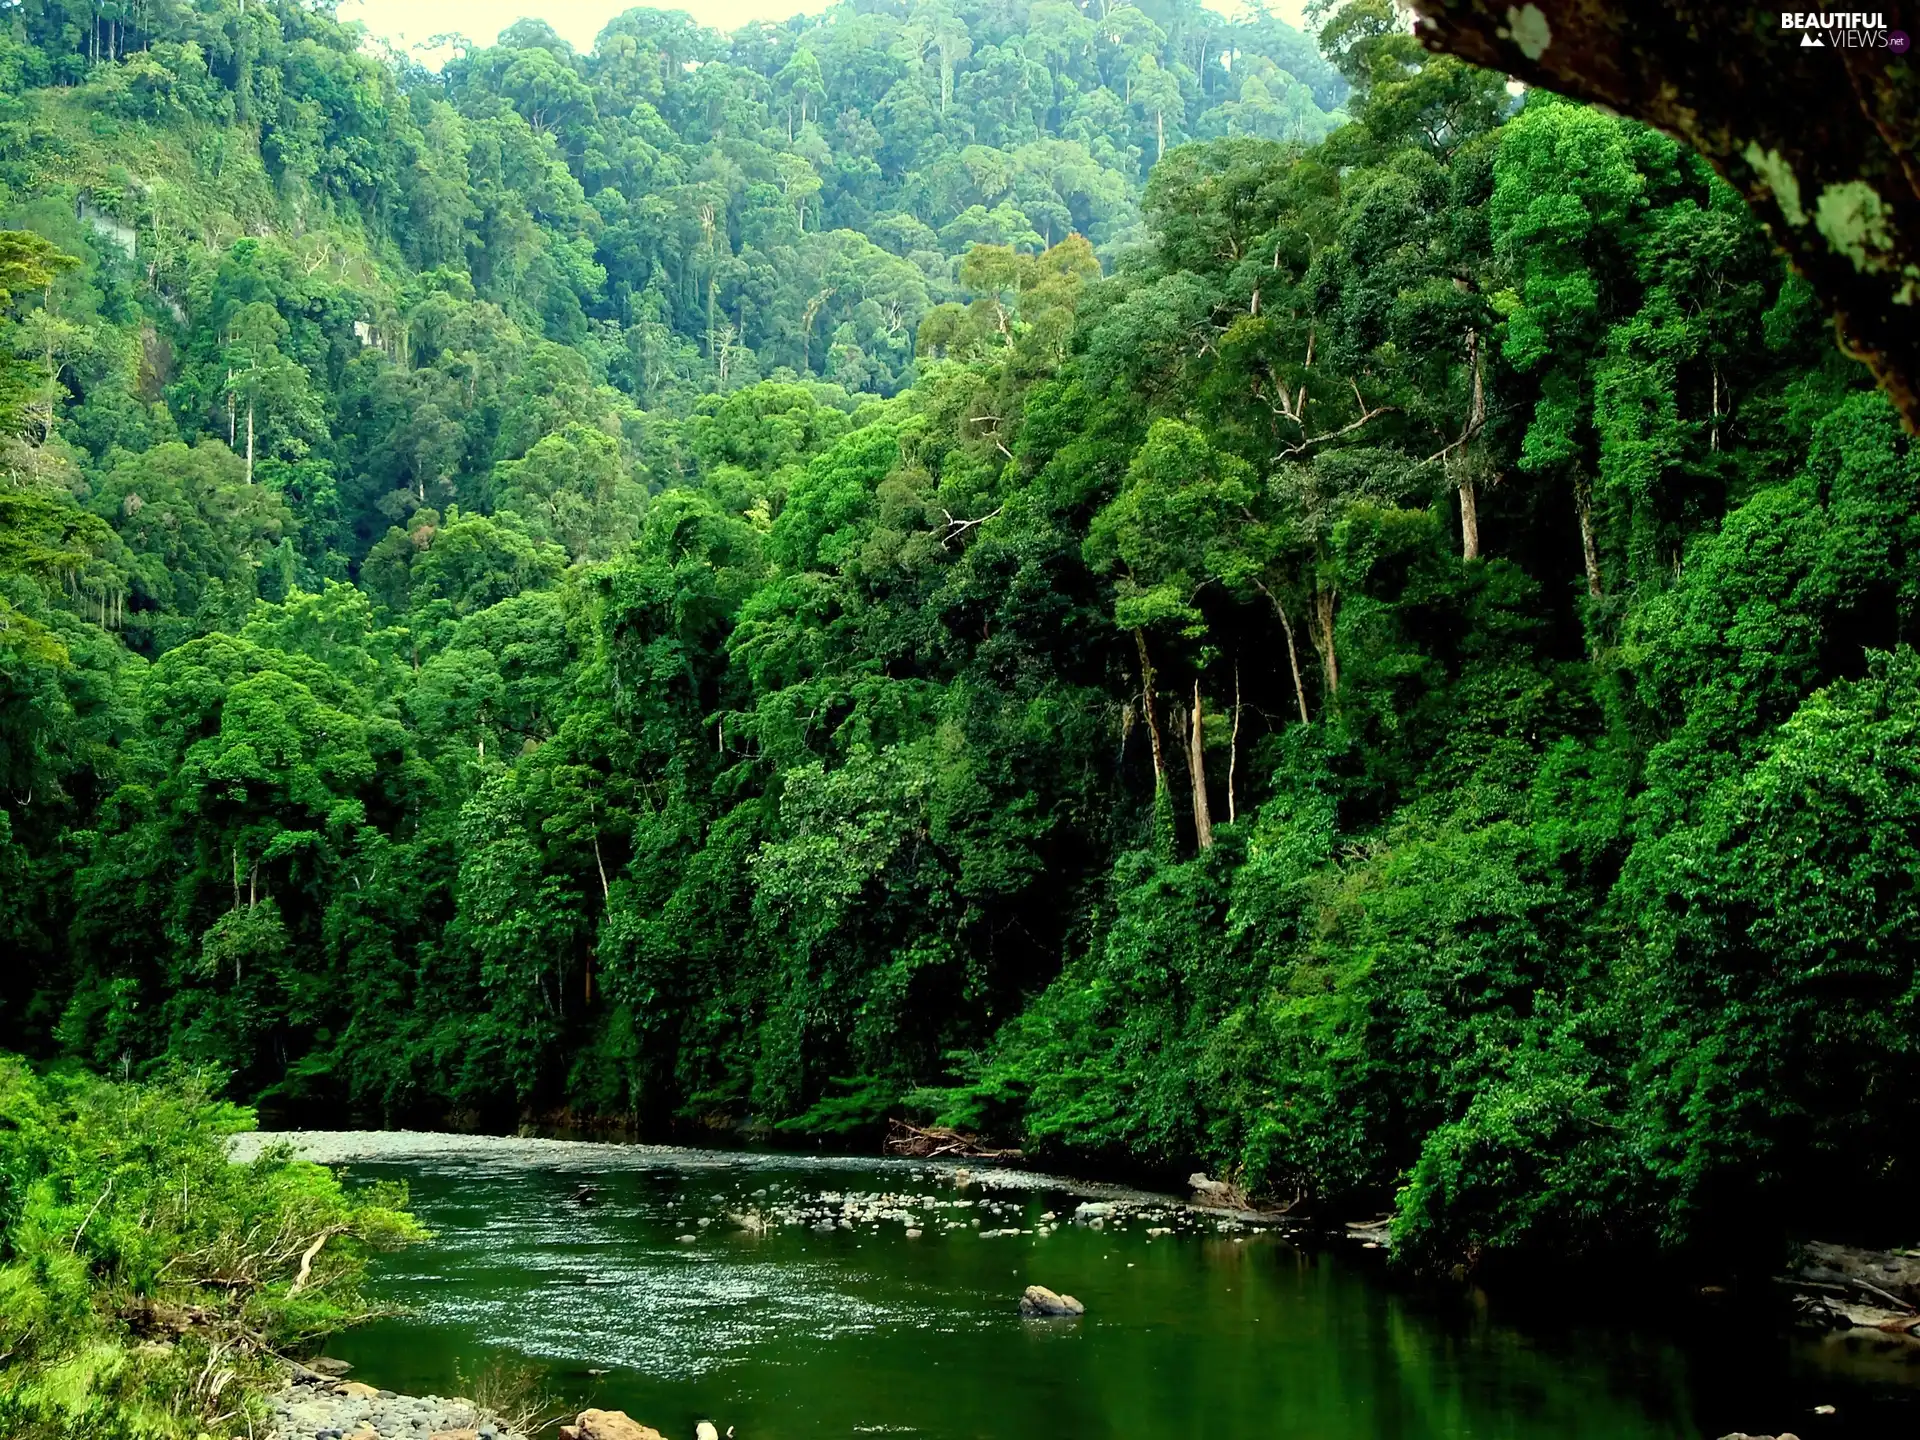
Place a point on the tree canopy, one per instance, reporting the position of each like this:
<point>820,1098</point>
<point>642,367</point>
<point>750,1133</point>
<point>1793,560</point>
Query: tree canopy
<point>1100,577</point>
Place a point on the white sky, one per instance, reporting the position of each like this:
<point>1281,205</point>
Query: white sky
<point>408,22</point>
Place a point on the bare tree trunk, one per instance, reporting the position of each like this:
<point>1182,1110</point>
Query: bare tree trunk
<point>605,890</point>
<point>1147,676</point>
<point>1233,747</point>
<point>1476,419</point>
<point>249,441</point>
<point>1326,605</point>
<point>1197,772</point>
<point>1589,552</point>
<point>1293,650</point>
<point>1714,437</point>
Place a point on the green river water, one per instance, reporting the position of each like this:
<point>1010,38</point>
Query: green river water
<point>859,1330</point>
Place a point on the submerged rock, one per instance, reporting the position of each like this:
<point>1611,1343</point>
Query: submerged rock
<point>1039,1302</point>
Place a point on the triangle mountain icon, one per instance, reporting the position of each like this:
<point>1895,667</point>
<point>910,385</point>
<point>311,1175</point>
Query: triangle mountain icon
<point>1812,42</point>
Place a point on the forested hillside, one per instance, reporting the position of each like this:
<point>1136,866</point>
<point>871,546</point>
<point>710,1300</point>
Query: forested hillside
<point>1089,575</point>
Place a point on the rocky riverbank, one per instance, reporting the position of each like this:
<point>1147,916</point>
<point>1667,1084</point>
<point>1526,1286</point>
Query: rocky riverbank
<point>319,1407</point>
<point>1211,1204</point>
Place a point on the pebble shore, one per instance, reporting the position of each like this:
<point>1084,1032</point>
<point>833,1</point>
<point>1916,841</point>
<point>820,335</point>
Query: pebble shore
<point>325,1410</point>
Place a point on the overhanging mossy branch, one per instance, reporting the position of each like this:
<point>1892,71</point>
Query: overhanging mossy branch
<point>1821,141</point>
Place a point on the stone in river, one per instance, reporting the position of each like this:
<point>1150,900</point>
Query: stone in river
<point>1039,1301</point>
<point>327,1365</point>
<point>607,1425</point>
<point>706,1430</point>
<point>1208,1188</point>
<point>354,1390</point>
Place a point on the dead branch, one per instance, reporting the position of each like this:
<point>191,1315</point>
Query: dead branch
<point>1466,435</point>
<point>74,1249</point>
<point>306,1260</point>
<point>1366,414</point>
<point>951,528</point>
<point>938,1140</point>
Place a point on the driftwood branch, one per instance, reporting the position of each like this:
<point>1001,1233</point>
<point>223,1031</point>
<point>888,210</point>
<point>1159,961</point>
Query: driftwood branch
<point>935,1141</point>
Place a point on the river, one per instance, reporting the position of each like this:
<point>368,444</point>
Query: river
<point>643,1294</point>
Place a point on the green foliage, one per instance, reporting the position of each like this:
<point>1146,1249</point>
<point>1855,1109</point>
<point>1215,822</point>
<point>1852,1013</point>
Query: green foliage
<point>147,1280</point>
<point>791,578</point>
<point>1769,957</point>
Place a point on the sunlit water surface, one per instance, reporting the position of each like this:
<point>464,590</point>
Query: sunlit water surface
<point>806,1332</point>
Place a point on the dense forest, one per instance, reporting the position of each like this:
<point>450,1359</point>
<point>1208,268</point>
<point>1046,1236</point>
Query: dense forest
<point>1155,588</point>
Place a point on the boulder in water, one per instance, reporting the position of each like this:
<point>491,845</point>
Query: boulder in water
<point>1038,1302</point>
<point>607,1425</point>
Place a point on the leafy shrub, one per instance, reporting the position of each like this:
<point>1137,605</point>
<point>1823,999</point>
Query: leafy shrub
<point>145,1281</point>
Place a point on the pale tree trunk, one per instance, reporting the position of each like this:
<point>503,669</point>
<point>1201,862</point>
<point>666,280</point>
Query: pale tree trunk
<point>606,897</point>
<point>1293,650</point>
<point>1589,552</point>
<point>1714,439</point>
<point>249,441</point>
<point>1476,419</point>
<point>1326,604</point>
<point>1233,747</point>
<point>1147,676</point>
<point>1197,772</point>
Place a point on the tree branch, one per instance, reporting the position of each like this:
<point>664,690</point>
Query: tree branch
<point>1823,141</point>
<point>1308,441</point>
<point>953,528</point>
